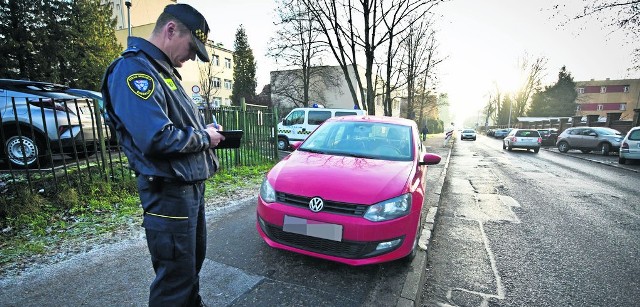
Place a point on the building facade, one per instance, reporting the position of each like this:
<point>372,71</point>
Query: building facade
<point>212,81</point>
<point>600,97</point>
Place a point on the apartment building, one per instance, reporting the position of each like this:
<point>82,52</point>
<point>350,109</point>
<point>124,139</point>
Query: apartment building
<point>328,88</point>
<point>213,80</point>
<point>599,97</point>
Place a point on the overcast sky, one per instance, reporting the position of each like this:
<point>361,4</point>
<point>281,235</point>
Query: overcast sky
<point>482,40</point>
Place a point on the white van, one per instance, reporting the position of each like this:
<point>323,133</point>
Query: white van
<point>300,122</point>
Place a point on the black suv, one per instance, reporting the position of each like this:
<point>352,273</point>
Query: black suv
<point>38,119</point>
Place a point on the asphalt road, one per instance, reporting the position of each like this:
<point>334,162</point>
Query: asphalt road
<point>524,229</point>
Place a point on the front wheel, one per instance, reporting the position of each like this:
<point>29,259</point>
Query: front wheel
<point>23,150</point>
<point>563,147</point>
<point>605,148</point>
<point>283,143</point>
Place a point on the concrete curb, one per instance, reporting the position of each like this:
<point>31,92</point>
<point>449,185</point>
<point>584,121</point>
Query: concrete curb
<point>412,288</point>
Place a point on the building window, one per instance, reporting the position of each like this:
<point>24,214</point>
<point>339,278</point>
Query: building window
<point>216,82</point>
<point>623,107</point>
<point>600,107</point>
<point>603,89</point>
<point>578,108</point>
<point>227,101</point>
<point>216,60</point>
<point>581,90</point>
<point>227,84</point>
<point>227,63</point>
<point>216,102</point>
<point>626,89</point>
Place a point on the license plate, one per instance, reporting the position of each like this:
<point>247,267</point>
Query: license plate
<point>312,228</point>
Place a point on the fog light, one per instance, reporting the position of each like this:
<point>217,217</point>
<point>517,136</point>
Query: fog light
<point>388,244</point>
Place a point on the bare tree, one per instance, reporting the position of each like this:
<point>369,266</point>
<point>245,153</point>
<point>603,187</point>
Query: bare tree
<point>297,45</point>
<point>355,30</point>
<point>208,72</point>
<point>532,72</point>
<point>617,14</point>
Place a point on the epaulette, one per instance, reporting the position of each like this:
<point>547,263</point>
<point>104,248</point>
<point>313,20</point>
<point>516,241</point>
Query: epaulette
<point>131,50</point>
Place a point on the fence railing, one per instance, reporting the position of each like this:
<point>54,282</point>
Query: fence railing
<point>43,150</point>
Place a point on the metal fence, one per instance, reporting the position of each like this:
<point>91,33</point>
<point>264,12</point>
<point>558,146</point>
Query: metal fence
<point>78,153</point>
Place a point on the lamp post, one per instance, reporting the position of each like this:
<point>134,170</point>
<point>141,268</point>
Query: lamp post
<point>128,4</point>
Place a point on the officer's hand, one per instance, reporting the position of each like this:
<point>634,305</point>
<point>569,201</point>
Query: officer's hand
<point>214,137</point>
<point>215,126</point>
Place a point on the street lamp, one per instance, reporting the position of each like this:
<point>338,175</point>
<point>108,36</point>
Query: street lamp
<point>128,4</point>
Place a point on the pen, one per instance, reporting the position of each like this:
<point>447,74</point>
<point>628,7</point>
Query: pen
<point>215,123</point>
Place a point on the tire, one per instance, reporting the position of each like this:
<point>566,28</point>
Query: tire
<point>622,160</point>
<point>586,151</point>
<point>509,148</point>
<point>22,150</point>
<point>414,251</point>
<point>536,150</point>
<point>563,147</point>
<point>283,143</point>
<point>503,147</point>
<point>605,148</point>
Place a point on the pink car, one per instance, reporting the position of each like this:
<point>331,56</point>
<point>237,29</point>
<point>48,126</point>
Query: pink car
<point>352,192</point>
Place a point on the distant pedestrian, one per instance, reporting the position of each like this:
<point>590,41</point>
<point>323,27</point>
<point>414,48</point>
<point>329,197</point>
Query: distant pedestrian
<point>424,132</point>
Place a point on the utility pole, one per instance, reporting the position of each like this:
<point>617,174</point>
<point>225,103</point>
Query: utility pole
<point>509,123</point>
<point>128,4</point>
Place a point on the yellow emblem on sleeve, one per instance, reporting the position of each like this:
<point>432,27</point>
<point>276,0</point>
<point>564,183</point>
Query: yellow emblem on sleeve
<point>170,83</point>
<point>141,84</point>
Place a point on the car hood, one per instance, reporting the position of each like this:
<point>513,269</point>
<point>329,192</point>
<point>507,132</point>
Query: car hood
<point>340,178</point>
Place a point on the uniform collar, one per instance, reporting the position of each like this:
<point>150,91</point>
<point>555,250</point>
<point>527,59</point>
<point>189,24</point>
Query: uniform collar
<point>153,52</point>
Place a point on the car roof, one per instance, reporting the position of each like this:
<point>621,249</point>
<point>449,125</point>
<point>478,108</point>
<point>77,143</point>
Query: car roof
<point>375,119</point>
<point>43,89</point>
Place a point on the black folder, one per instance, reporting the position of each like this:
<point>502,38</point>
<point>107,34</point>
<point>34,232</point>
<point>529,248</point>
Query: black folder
<point>231,139</point>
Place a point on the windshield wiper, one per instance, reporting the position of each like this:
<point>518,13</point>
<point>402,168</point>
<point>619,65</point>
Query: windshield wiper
<point>312,150</point>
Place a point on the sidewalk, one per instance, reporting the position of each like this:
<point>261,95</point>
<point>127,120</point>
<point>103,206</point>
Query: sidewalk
<point>119,274</point>
<point>414,282</point>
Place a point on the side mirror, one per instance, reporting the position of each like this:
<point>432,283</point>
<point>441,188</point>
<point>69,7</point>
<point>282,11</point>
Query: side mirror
<point>430,159</point>
<point>295,145</point>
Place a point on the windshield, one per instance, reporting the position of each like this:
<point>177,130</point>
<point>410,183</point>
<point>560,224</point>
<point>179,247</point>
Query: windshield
<point>362,139</point>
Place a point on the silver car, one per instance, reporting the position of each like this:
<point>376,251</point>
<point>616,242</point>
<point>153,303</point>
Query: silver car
<point>468,134</point>
<point>630,148</point>
<point>587,139</point>
<point>522,138</point>
<point>39,119</point>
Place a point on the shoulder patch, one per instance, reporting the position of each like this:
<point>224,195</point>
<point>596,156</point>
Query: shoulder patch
<point>141,84</point>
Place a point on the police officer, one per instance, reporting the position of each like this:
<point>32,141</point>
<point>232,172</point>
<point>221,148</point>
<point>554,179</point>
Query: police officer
<point>169,146</point>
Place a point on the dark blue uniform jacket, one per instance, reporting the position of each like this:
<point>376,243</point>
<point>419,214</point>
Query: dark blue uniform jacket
<point>159,127</point>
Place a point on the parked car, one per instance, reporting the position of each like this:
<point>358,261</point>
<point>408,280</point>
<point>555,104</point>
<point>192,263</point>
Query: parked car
<point>39,119</point>
<point>97,97</point>
<point>630,148</point>
<point>587,139</point>
<point>500,133</point>
<point>468,134</point>
<point>522,138</point>
<point>549,136</point>
<point>352,192</point>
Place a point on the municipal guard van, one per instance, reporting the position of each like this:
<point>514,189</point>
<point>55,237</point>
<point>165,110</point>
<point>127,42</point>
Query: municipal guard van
<point>300,122</point>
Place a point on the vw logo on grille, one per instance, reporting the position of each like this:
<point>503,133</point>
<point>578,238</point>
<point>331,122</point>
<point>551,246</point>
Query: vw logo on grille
<point>316,204</point>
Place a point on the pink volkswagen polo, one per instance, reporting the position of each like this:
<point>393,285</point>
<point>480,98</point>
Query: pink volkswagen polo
<point>352,192</point>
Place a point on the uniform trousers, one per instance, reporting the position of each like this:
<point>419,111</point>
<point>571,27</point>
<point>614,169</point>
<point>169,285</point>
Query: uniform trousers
<point>175,226</point>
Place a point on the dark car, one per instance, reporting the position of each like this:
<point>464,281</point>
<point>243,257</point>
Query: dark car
<point>40,118</point>
<point>587,139</point>
<point>549,136</point>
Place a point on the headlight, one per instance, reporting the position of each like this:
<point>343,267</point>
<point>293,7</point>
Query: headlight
<point>267,192</point>
<point>389,209</point>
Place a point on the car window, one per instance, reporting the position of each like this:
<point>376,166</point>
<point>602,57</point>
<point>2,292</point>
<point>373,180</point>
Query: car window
<point>345,113</point>
<point>575,131</point>
<point>607,131</point>
<point>318,117</point>
<point>468,131</point>
<point>295,118</point>
<point>635,135</point>
<point>527,133</point>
